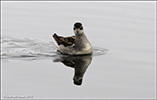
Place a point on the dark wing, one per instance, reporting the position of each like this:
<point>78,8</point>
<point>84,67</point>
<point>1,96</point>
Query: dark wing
<point>66,41</point>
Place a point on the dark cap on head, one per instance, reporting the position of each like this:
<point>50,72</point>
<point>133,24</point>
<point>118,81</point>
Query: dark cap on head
<point>78,25</point>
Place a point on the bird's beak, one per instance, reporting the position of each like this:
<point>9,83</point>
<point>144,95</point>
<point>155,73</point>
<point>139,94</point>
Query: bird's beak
<point>77,32</point>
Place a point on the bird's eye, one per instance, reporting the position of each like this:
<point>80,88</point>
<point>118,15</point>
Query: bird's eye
<point>81,28</point>
<point>74,28</point>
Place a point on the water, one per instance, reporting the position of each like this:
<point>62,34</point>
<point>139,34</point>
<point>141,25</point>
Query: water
<point>121,33</point>
<point>26,49</point>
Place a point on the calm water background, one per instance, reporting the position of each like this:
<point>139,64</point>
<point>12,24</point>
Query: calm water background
<point>127,29</point>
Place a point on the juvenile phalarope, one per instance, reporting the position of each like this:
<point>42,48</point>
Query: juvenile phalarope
<point>74,45</point>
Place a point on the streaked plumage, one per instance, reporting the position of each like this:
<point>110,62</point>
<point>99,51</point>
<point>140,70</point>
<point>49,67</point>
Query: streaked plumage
<point>74,45</point>
<point>66,41</point>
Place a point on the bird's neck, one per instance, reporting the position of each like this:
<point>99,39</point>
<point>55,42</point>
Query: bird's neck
<point>81,41</point>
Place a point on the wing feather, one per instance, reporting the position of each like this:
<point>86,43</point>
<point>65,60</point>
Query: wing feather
<point>66,41</point>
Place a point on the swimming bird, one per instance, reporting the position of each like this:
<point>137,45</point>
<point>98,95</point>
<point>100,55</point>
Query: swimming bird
<point>74,45</point>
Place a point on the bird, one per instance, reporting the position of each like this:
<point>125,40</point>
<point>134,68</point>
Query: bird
<point>74,45</point>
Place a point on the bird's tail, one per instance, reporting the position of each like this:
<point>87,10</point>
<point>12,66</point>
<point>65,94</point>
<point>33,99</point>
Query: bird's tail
<point>56,39</point>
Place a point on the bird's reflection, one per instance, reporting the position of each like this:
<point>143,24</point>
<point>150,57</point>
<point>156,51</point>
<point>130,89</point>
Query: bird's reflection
<point>79,63</point>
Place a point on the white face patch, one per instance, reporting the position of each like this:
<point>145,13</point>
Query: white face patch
<point>78,29</point>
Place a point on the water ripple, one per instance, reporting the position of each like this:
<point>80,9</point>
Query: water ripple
<point>34,49</point>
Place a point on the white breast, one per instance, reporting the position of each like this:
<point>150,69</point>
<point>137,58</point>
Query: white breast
<point>88,46</point>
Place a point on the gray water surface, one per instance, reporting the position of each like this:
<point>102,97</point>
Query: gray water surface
<point>121,33</point>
